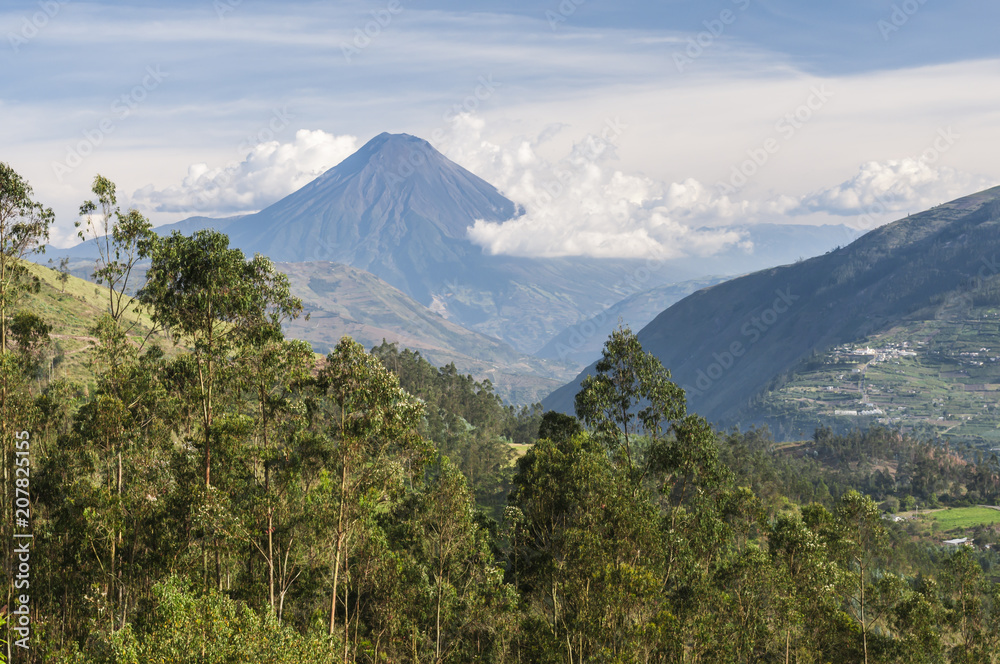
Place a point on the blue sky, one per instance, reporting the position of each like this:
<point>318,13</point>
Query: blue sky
<point>619,125</point>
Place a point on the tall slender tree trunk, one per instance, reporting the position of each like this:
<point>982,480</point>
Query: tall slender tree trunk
<point>340,544</point>
<point>347,618</point>
<point>270,556</point>
<point>437,619</point>
<point>7,501</point>
<point>116,543</point>
<point>3,324</point>
<point>270,508</point>
<point>7,530</point>
<point>864,627</point>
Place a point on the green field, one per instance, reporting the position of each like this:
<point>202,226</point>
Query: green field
<point>965,517</point>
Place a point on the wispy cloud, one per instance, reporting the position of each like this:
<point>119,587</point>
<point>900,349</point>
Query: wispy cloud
<point>686,131</point>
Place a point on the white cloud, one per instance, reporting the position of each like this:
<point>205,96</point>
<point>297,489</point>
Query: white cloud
<point>881,190</point>
<point>269,172</point>
<point>582,205</point>
<point>62,237</point>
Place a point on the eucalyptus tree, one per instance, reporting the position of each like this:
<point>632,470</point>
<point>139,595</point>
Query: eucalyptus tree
<point>122,240</point>
<point>375,428</point>
<point>269,374</point>
<point>208,295</point>
<point>215,302</point>
<point>973,607</point>
<point>586,556</point>
<point>859,539</point>
<point>630,397</point>
<point>471,605</point>
<point>24,230</point>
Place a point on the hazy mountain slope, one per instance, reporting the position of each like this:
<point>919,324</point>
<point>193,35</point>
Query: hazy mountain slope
<point>726,343</point>
<point>401,210</point>
<point>396,208</point>
<point>342,300</point>
<point>88,250</point>
<point>582,342</point>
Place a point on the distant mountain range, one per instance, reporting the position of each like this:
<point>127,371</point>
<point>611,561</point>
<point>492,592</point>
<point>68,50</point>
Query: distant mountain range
<point>399,210</point>
<point>727,345</point>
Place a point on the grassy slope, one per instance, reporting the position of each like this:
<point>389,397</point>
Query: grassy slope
<point>72,314</point>
<point>342,300</point>
<point>960,518</point>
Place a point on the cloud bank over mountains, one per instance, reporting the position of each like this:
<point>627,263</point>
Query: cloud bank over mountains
<point>582,203</point>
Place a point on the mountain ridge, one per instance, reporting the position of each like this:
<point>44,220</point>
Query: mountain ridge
<point>726,343</point>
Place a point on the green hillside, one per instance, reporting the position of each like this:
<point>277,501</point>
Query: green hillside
<point>345,301</point>
<point>72,309</point>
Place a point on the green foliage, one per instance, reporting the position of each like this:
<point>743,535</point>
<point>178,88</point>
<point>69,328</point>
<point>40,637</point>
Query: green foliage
<point>30,335</point>
<point>558,426</point>
<point>629,396</point>
<point>201,289</point>
<point>122,241</point>
<point>182,627</point>
<point>578,529</point>
<point>344,522</point>
<point>467,421</point>
<point>24,230</point>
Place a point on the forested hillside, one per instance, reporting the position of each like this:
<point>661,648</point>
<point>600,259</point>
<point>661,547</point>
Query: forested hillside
<point>221,495</point>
